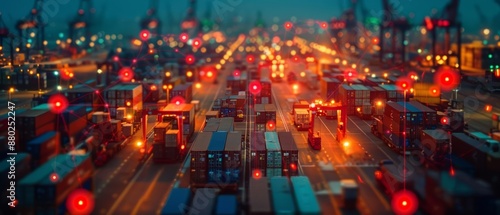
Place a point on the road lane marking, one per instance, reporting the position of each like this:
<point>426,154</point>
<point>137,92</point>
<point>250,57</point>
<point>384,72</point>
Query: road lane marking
<point>126,190</point>
<point>373,142</point>
<point>147,193</point>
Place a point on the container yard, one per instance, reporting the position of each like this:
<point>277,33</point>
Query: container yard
<point>282,196</point>
<point>290,154</point>
<point>264,114</point>
<point>274,159</point>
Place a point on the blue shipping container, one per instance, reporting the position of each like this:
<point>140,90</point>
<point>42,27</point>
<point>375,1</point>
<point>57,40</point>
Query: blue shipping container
<point>396,140</point>
<point>215,156</point>
<point>178,202</point>
<point>226,205</point>
<point>282,197</point>
<point>34,145</point>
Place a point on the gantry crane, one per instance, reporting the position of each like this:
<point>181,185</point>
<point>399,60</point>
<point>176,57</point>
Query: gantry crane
<point>80,25</point>
<point>151,22</point>
<point>396,25</point>
<point>4,34</point>
<point>32,24</point>
<point>314,138</point>
<point>190,23</point>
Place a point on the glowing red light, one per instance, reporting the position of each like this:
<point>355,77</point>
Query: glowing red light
<point>378,174</point>
<point>350,73</point>
<point>183,37</point>
<point>144,34</point>
<point>236,73</point>
<point>250,59</point>
<point>445,120</point>
<point>447,78</point>
<point>404,83</point>
<point>142,150</point>
<point>255,87</point>
<point>80,201</point>
<point>196,43</point>
<point>66,74</point>
<point>190,59</point>
<point>293,166</point>
<point>404,202</point>
<point>288,25</point>
<point>54,177</point>
<point>375,40</point>
<point>116,59</point>
<point>177,100</point>
<point>324,25</point>
<point>452,171</point>
<point>58,103</point>
<point>271,126</point>
<point>126,74</point>
<point>257,174</point>
<point>295,59</point>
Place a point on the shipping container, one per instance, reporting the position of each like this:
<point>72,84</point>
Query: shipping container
<point>259,199</point>
<point>305,197</point>
<point>430,115</point>
<point>38,190</point>
<point>172,138</point>
<point>330,89</point>
<point>199,162</point>
<point>33,119</point>
<point>377,94</point>
<point>227,205</point>
<point>301,119</point>
<point>211,127</point>
<point>211,114</point>
<point>178,202</point>
<point>127,129</point>
<point>204,201</point>
<point>232,157</point>
<point>159,131</point>
<point>184,90</point>
<point>479,136</point>
<point>374,81</point>
<point>226,124</point>
<point>282,196</point>
<point>393,92</point>
<point>274,156</point>
<point>43,148</point>
<point>258,152</point>
<point>215,153</point>
<point>470,150</point>
<point>361,92</point>
<point>290,153</point>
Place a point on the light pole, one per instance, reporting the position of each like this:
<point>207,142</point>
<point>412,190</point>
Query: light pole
<point>38,76</point>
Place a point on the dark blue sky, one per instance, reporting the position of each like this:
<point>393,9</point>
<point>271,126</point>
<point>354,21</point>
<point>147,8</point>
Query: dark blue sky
<point>122,16</point>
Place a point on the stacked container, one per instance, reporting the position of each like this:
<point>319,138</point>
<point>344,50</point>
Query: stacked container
<point>330,89</point>
<point>33,123</point>
<point>393,92</point>
<point>430,115</point>
<point>377,94</point>
<point>129,96</point>
<point>274,156</point>
<point>422,93</point>
<point>282,196</point>
<point>188,119</point>
<point>215,156</point>
<point>238,83</point>
<point>159,143</point>
<point>212,125</point>
<point>258,153</point>
<point>290,153</point>
<point>264,113</point>
<point>393,124</point>
<point>232,157</point>
<point>199,164</point>
<point>373,82</point>
<point>172,144</point>
<point>347,97</point>
<point>259,199</point>
<point>184,90</point>
<point>84,96</point>
<point>43,148</point>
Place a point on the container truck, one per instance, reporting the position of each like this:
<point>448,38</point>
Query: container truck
<point>282,196</point>
<point>350,192</point>
<point>259,200</point>
<point>178,202</point>
<point>389,177</point>
<point>301,116</point>
<point>199,165</point>
<point>305,197</point>
<point>171,113</point>
<point>290,154</point>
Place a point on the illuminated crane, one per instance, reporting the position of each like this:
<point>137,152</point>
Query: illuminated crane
<point>151,22</point>
<point>79,27</point>
<point>397,25</point>
<point>32,27</point>
<point>314,138</point>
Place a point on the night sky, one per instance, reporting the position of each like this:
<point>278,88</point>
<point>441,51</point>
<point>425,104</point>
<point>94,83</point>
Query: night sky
<point>122,16</point>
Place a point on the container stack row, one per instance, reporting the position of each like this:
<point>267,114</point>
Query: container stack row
<point>274,154</point>
<point>184,91</point>
<point>265,94</point>
<point>129,96</point>
<point>264,114</point>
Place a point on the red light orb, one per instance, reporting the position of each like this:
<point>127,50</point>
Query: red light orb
<point>236,73</point>
<point>178,100</point>
<point>295,59</point>
<point>375,41</point>
<point>144,34</point>
<point>434,91</point>
<point>404,83</point>
<point>271,125</point>
<point>54,177</point>
<point>66,74</point>
<point>196,43</point>
<point>250,59</point>
<point>80,201</point>
<point>256,174</point>
<point>324,25</point>
<point>58,103</point>
<point>190,59</point>
<point>183,37</point>
<point>350,73</point>
<point>488,108</point>
<point>447,78</point>
<point>255,87</point>
<point>404,202</point>
<point>116,58</point>
<point>126,74</point>
<point>293,166</point>
<point>288,25</point>
<point>445,121</point>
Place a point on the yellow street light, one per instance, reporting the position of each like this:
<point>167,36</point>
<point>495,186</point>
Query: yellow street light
<point>139,144</point>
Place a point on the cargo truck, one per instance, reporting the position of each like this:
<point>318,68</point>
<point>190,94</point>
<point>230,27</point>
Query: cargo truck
<point>301,116</point>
